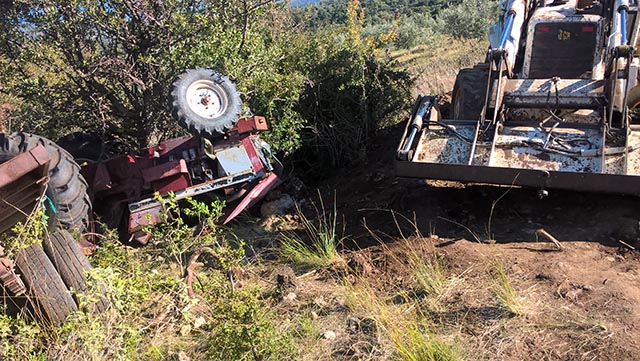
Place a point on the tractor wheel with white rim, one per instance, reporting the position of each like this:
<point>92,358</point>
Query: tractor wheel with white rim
<point>205,102</point>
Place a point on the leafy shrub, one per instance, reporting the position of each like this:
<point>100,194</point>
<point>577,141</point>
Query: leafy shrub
<point>470,19</point>
<point>350,93</point>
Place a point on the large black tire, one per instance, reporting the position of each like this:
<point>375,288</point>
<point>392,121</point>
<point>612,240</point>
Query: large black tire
<point>48,296</point>
<point>73,267</point>
<point>67,189</point>
<point>205,102</point>
<point>469,94</point>
<point>83,146</point>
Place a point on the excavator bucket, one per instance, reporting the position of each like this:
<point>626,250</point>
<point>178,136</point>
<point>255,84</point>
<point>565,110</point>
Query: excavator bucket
<point>574,156</point>
<point>554,105</point>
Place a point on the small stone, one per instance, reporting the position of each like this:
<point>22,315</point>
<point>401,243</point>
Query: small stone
<point>182,356</point>
<point>320,302</point>
<point>277,207</point>
<point>199,322</point>
<point>185,330</point>
<point>610,259</point>
<point>289,297</point>
<point>329,335</point>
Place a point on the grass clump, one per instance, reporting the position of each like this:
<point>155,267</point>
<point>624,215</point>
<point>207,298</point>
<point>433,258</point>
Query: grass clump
<point>429,272</point>
<point>408,329</point>
<point>507,296</point>
<point>323,240</point>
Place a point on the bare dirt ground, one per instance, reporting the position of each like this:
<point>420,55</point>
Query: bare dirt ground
<point>577,302</point>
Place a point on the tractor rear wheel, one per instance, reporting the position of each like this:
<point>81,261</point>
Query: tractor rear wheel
<point>73,266</point>
<point>47,294</point>
<point>67,189</point>
<point>205,102</point>
<point>469,93</point>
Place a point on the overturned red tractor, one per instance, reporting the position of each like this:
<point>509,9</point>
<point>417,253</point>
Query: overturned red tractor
<point>225,158</point>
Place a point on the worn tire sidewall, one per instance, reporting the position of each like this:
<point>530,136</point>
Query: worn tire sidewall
<point>195,123</point>
<point>469,93</point>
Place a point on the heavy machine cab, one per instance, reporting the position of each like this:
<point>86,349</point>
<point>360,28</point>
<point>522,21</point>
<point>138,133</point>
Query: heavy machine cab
<point>565,42</point>
<point>553,106</point>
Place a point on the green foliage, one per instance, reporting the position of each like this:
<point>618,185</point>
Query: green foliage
<point>414,30</point>
<point>414,344</point>
<point>107,66</point>
<point>174,232</point>
<point>470,19</point>
<point>430,273</point>
<point>244,330</point>
<point>377,11</point>
<point>153,316</point>
<point>409,330</point>
<point>25,234</point>
<point>351,92</point>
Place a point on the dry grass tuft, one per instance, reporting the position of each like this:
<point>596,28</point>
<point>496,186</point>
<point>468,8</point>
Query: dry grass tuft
<point>508,298</point>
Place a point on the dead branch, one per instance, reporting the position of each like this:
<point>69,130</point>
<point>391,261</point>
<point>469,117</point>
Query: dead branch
<point>549,237</point>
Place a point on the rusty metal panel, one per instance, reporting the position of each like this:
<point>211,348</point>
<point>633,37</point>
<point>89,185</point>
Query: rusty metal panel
<point>234,160</point>
<point>22,164</point>
<point>256,193</point>
<point>146,217</point>
<point>165,170</point>
<point>9,279</point>
<point>22,181</point>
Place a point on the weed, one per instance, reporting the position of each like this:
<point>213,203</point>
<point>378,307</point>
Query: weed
<point>429,273</point>
<point>322,248</point>
<point>506,294</point>
<point>404,325</point>
<point>416,343</point>
<point>152,316</point>
<point>175,235</point>
<point>25,234</point>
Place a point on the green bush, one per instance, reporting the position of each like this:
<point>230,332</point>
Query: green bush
<point>470,19</point>
<point>350,94</point>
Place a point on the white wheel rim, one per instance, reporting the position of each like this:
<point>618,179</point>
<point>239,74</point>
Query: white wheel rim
<point>207,99</point>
